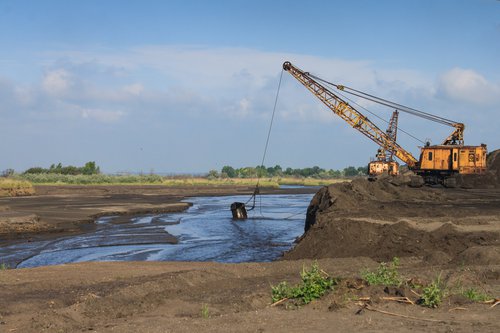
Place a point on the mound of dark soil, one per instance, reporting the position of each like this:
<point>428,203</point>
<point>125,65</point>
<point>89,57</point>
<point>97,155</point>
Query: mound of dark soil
<point>493,162</point>
<point>381,220</point>
<point>362,195</point>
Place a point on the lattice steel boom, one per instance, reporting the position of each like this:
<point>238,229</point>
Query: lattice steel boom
<point>352,116</point>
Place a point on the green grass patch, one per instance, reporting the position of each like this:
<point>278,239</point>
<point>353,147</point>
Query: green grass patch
<point>386,274</point>
<point>202,181</point>
<point>100,179</point>
<point>315,283</point>
<point>204,311</point>
<point>4,267</point>
<point>475,295</point>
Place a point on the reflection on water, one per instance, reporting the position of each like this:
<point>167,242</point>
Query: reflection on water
<point>205,232</point>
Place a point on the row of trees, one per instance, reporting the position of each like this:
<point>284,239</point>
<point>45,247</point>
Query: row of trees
<point>90,168</point>
<point>277,171</point>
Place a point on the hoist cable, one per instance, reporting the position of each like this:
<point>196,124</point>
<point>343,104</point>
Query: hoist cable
<point>362,107</point>
<point>388,103</point>
<point>270,126</point>
<point>256,191</point>
<point>374,114</point>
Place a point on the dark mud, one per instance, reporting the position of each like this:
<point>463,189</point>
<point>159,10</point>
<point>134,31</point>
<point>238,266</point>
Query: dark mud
<point>380,220</point>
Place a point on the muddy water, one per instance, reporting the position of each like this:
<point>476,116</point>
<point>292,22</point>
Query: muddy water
<point>205,232</point>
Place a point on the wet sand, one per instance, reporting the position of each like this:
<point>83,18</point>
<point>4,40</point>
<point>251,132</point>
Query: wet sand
<point>61,210</point>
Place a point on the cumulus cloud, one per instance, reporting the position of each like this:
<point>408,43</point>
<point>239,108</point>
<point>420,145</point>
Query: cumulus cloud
<point>228,82</point>
<point>469,86</point>
<point>56,82</point>
<point>169,91</point>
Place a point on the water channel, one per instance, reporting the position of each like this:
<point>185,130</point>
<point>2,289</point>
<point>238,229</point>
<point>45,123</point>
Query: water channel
<point>204,232</point>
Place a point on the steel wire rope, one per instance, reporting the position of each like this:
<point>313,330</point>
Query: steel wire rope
<point>362,107</point>
<point>374,114</point>
<point>382,101</point>
<point>265,150</point>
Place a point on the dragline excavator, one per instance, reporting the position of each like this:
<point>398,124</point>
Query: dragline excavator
<point>437,163</point>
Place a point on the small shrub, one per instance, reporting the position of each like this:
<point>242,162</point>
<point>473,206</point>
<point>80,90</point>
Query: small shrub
<point>386,274</point>
<point>280,291</point>
<point>4,266</point>
<point>475,295</point>
<point>315,283</point>
<point>433,294</point>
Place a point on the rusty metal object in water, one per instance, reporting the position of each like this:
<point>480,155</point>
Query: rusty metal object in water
<point>239,211</point>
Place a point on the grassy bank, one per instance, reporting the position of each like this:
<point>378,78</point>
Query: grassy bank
<point>101,179</point>
<point>15,187</point>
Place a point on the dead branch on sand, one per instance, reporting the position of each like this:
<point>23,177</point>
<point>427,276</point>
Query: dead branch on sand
<point>280,301</point>
<point>399,299</point>
<point>494,302</point>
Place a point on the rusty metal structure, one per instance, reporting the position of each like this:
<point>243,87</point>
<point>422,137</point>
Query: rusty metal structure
<point>436,163</point>
<point>385,162</point>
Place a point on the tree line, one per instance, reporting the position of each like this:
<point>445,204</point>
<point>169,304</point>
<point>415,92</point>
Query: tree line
<point>90,168</point>
<point>277,171</point>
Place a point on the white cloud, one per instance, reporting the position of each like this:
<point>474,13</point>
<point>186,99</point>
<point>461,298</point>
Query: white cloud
<point>105,116</point>
<point>234,82</point>
<point>57,82</point>
<point>469,86</point>
<point>134,89</point>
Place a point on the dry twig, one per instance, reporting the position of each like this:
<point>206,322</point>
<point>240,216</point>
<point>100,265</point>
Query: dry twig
<point>279,302</point>
<point>457,308</point>
<point>364,299</point>
<point>399,299</point>
<point>494,302</point>
<point>415,293</point>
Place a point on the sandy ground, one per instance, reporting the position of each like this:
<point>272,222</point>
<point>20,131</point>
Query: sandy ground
<point>436,232</point>
<point>169,297</point>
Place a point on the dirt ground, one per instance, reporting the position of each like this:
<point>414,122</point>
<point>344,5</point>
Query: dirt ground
<point>172,297</point>
<point>450,233</point>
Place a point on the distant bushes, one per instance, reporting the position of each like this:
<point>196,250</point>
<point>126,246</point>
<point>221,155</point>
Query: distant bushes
<point>89,168</point>
<point>277,171</point>
<point>83,179</point>
<point>90,174</point>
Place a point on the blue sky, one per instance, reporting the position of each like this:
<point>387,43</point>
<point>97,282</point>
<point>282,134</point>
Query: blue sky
<point>189,86</point>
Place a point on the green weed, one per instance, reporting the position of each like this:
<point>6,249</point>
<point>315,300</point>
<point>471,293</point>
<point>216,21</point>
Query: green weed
<point>204,311</point>
<point>4,266</point>
<point>475,295</point>
<point>386,274</point>
<point>433,294</point>
<point>315,283</point>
